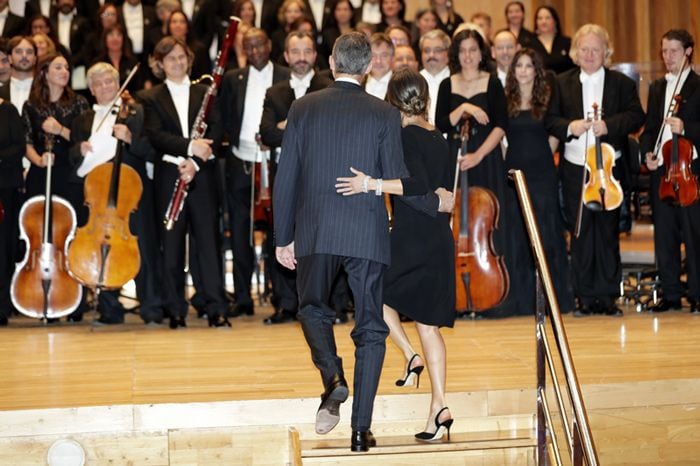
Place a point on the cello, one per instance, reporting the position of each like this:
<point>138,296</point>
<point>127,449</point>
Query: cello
<point>602,191</point>
<point>41,286</point>
<point>481,277</point>
<point>679,185</point>
<point>104,253</point>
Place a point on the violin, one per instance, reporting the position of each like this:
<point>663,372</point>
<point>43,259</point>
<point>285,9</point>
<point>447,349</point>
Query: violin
<point>41,286</point>
<point>482,279</point>
<point>104,253</point>
<point>602,191</point>
<point>679,185</point>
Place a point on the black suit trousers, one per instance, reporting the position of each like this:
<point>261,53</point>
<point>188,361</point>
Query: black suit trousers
<point>11,199</point>
<point>674,225</point>
<point>315,276</point>
<point>239,200</point>
<point>199,217</point>
<point>595,254</point>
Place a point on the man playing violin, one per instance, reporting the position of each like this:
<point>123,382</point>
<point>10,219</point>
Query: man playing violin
<point>595,252</point>
<point>674,224</point>
<point>103,82</point>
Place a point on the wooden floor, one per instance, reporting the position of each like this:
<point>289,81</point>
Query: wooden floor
<point>70,365</point>
<point>64,366</point>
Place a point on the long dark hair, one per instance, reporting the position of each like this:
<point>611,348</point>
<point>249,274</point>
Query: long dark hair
<point>332,22</point>
<point>39,94</point>
<point>461,36</point>
<point>555,17</point>
<point>541,91</point>
<point>127,54</point>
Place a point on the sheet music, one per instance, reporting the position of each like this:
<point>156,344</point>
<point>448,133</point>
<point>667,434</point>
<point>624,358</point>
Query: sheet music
<point>104,146</point>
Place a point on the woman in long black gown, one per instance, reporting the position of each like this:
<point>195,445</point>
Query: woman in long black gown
<point>420,283</point>
<point>472,90</point>
<point>530,150</point>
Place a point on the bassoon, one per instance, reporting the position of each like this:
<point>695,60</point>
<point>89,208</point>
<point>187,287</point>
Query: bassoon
<point>199,128</point>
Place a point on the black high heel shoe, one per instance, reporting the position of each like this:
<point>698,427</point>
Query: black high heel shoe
<point>411,373</point>
<point>441,427</point>
<point>218,321</point>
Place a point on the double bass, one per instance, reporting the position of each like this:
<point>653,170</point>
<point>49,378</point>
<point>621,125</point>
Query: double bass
<point>679,185</point>
<point>481,277</point>
<point>41,286</point>
<point>104,253</point>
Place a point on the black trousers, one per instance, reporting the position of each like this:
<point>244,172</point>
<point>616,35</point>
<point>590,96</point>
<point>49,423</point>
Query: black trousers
<point>239,201</point>
<point>12,200</point>
<point>200,217</point>
<point>315,277</point>
<point>674,225</point>
<point>595,254</point>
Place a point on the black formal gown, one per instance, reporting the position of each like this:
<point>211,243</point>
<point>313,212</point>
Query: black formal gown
<point>528,150</point>
<point>420,283</point>
<point>490,173</point>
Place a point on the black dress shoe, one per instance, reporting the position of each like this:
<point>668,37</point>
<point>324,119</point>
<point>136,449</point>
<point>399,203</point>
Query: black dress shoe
<point>280,316</point>
<point>241,309</point>
<point>218,321</point>
<point>176,322</point>
<point>694,308</point>
<point>666,305</point>
<point>612,311</point>
<point>75,316</point>
<point>328,414</point>
<point>583,311</point>
<point>110,320</point>
<point>3,321</point>
<point>341,316</point>
<point>362,440</point>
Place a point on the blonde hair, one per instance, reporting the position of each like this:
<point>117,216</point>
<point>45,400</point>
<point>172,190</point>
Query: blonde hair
<point>596,30</point>
<point>283,10</point>
<point>50,46</point>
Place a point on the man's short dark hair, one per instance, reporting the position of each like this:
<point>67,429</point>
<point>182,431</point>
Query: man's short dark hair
<point>299,35</point>
<point>682,36</point>
<point>352,53</point>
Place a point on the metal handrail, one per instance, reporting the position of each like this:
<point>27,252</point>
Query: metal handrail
<point>579,439</point>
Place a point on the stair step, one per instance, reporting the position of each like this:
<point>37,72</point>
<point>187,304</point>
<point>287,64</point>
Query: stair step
<point>463,441</point>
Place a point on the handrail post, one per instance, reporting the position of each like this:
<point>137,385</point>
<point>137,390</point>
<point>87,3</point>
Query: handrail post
<point>542,428</point>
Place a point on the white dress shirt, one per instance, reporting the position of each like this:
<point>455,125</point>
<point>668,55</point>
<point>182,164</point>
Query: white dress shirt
<point>64,22</point>
<point>188,8</point>
<point>133,20</point>
<point>258,5</point>
<point>301,85</point>
<point>19,91</point>
<point>371,13</point>
<point>377,87</point>
<point>180,93</point>
<point>592,91</point>
<point>258,83</point>
<point>502,77</point>
<point>3,18</point>
<point>317,12</point>
<point>434,81</point>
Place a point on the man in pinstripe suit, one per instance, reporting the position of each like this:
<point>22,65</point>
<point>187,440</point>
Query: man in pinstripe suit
<point>318,230</point>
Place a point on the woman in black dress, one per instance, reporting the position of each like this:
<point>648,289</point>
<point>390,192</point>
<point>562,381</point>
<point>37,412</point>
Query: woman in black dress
<point>473,91</point>
<point>48,115</point>
<point>530,150</point>
<point>420,283</point>
<point>179,27</point>
<point>551,44</point>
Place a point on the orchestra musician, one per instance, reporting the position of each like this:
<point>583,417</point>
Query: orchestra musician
<point>241,102</point>
<point>170,110</point>
<point>300,53</point>
<point>103,82</point>
<point>47,114</point>
<point>674,224</point>
<point>595,253</point>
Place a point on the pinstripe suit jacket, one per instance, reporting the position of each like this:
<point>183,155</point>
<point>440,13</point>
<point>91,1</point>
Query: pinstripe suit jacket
<point>328,132</point>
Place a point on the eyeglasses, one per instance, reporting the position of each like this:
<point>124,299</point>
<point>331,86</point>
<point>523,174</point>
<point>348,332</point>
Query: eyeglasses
<point>429,50</point>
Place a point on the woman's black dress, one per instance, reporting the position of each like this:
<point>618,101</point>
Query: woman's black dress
<point>420,283</point>
<point>490,173</point>
<point>528,150</point>
<point>65,182</point>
